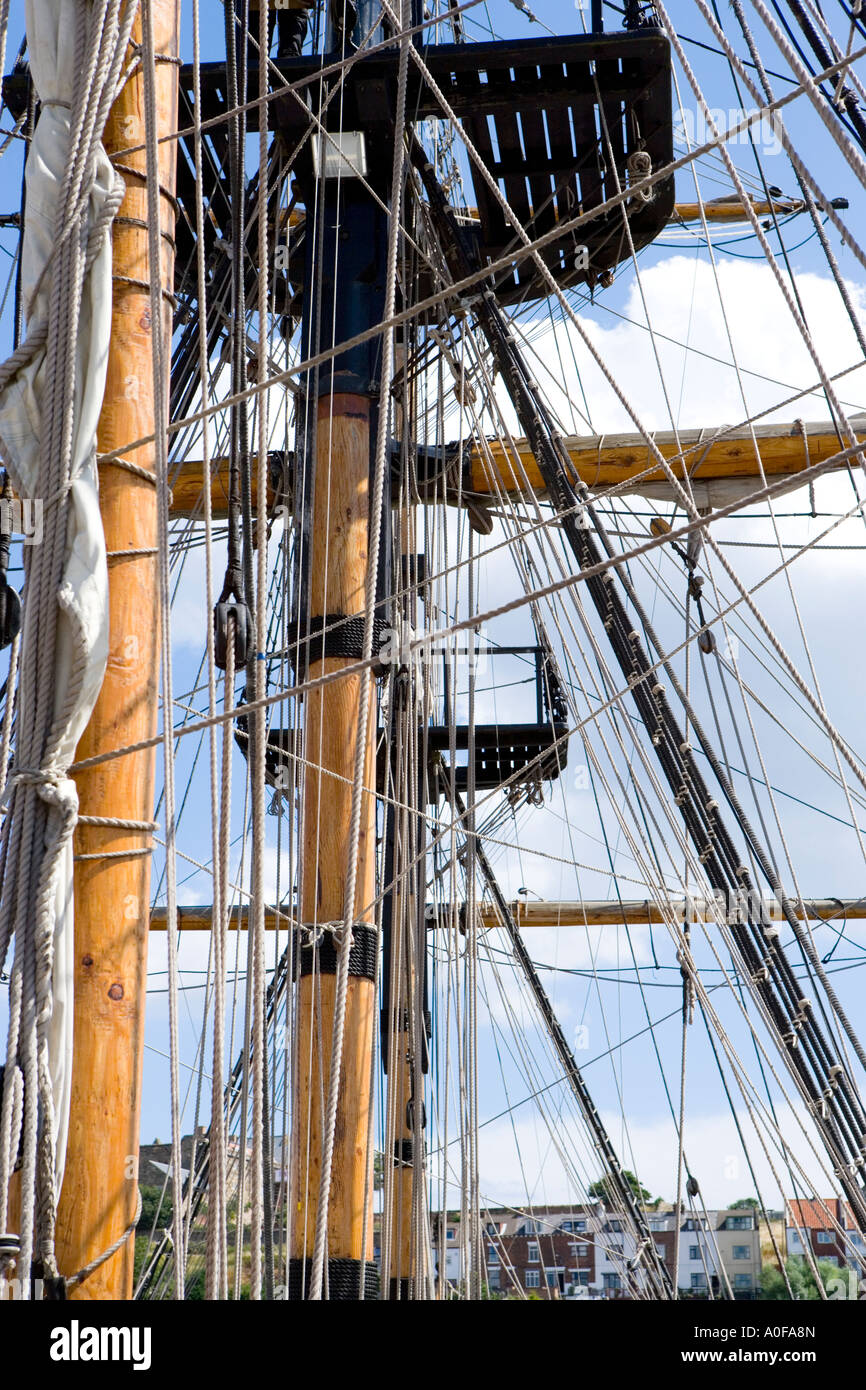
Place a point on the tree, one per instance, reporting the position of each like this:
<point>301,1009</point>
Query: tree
<point>156,1207</point>
<point>604,1190</point>
<point>800,1277</point>
<point>743,1202</point>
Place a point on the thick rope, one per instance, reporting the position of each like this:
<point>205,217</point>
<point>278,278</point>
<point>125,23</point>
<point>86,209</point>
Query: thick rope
<point>154,211</point>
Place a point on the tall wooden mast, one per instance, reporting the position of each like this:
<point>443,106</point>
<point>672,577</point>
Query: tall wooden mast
<point>344,294</point>
<point>112,893</point>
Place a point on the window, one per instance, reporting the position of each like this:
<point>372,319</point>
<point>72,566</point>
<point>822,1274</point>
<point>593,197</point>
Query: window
<point>699,1281</point>
<point>583,1278</point>
<point>612,1281</point>
<point>552,1277</point>
<point>825,1237</point>
<point>533,1279</point>
<point>615,1226</point>
<point>742,1281</point>
<point>579,1226</point>
<point>742,1252</point>
<point>493,1278</point>
<point>694,1252</point>
<point>492,1229</point>
<point>532,1252</point>
<point>565,1226</point>
<point>656,1223</point>
<point>582,1252</point>
<point>795,1237</point>
<point>492,1255</point>
<point>739,1223</point>
<point>451,1234</point>
<point>660,1250</point>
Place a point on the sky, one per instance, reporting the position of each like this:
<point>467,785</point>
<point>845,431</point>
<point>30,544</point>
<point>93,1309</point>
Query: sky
<point>707,312</point>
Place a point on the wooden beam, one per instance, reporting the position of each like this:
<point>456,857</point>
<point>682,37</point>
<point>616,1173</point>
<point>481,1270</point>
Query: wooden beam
<point>187,488</point>
<point>732,210</point>
<point>716,210</point>
<point>601,461</point>
<point>614,459</point>
<point>635,913</point>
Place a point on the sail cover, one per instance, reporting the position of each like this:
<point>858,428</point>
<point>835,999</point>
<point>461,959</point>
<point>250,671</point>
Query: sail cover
<point>60,33</point>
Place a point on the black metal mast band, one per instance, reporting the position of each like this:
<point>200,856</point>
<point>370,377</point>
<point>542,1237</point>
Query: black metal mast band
<point>333,634</point>
<point>401,1290</point>
<point>342,1282</point>
<point>320,956</point>
<point>404,1153</point>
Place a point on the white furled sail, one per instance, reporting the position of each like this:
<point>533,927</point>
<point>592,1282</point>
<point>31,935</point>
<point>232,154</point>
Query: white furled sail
<point>51,392</point>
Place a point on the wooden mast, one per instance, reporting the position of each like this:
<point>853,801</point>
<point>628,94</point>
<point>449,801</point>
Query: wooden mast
<point>339,570</point>
<point>344,292</point>
<point>112,895</point>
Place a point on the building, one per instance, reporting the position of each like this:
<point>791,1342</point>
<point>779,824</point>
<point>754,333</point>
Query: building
<point>827,1226</point>
<point>154,1161</point>
<point>739,1246</point>
<point>582,1252</point>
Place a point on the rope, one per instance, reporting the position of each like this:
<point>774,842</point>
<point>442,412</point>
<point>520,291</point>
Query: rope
<point>75,1280</point>
<point>8,711</point>
<point>161,470</point>
<point>114,854</point>
<point>258,739</point>
<point>809,84</point>
<point>216,1267</point>
<point>147,474</point>
<point>115,823</point>
<point>146,287</point>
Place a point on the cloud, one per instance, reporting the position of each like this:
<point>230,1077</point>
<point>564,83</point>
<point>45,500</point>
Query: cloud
<point>734,315</point>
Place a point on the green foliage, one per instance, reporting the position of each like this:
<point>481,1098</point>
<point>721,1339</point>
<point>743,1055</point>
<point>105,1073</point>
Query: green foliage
<point>801,1279</point>
<point>744,1203</point>
<point>603,1190</point>
<point>155,1207</point>
<point>141,1248</point>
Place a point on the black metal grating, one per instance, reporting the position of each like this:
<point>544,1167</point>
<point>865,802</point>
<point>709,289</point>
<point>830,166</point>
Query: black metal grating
<point>531,110</point>
<point>556,151</point>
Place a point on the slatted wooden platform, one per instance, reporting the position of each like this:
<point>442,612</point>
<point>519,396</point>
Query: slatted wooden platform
<point>532,111</point>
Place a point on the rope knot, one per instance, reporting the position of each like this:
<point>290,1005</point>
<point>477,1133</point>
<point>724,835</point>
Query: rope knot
<point>52,784</point>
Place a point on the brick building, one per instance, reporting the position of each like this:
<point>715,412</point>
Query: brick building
<point>827,1225</point>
